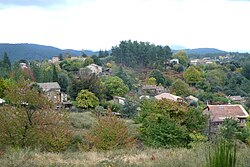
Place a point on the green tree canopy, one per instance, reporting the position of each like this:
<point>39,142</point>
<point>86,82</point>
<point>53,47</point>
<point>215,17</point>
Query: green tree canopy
<point>3,87</point>
<point>63,81</point>
<point>216,79</point>
<point>140,54</point>
<point>125,77</point>
<point>37,71</point>
<point>54,74</point>
<point>88,61</point>
<point>151,81</point>
<point>160,79</point>
<point>90,82</point>
<point>192,75</point>
<point>246,69</point>
<point>6,61</point>
<point>182,56</point>
<point>180,88</point>
<point>115,86</point>
<point>166,123</point>
<point>161,123</point>
<point>86,99</point>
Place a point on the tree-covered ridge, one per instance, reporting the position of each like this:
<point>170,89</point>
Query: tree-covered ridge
<point>141,54</point>
<point>36,52</point>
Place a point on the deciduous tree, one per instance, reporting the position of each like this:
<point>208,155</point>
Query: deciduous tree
<point>192,75</point>
<point>180,88</point>
<point>86,99</point>
<point>115,86</point>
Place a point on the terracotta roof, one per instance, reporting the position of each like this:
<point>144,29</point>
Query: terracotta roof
<point>49,86</point>
<point>167,96</point>
<point>219,112</point>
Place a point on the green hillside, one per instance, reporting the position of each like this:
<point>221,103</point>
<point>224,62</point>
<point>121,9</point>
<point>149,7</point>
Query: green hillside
<point>35,52</point>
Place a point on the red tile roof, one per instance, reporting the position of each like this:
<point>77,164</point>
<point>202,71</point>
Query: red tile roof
<point>219,112</point>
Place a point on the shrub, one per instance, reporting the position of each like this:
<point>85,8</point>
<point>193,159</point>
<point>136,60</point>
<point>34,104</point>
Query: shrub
<point>162,124</point>
<point>111,105</point>
<point>161,131</point>
<point>129,109</point>
<point>110,133</point>
<point>55,136</point>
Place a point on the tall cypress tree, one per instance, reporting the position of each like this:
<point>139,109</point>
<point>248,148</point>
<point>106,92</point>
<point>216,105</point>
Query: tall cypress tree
<point>54,74</point>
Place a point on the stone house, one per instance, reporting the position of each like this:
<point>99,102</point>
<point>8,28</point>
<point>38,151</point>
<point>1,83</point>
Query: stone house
<point>217,114</point>
<point>52,90</point>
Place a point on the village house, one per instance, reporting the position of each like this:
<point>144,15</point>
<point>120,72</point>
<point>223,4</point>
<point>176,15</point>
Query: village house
<point>151,90</point>
<point>169,96</point>
<point>174,61</point>
<point>52,90</point>
<point>94,68</point>
<point>55,59</point>
<point>194,62</point>
<point>119,100</point>
<point>237,99</point>
<point>218,113</point>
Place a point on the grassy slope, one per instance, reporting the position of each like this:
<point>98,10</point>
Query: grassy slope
<point>82,122</point>
<point>149,157</point>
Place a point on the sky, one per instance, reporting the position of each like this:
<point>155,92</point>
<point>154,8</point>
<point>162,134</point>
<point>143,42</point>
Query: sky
<point>101,24</point>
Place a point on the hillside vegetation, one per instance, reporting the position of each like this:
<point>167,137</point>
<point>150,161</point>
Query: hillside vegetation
<point>108,110</point>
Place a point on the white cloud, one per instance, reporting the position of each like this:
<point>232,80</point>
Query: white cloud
<point>99,24</point>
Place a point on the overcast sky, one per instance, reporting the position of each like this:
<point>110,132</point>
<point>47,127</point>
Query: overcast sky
<point>101,24</point>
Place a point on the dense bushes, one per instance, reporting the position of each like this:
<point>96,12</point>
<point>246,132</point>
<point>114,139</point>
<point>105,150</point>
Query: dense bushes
<point>110,133</point>
<point>162,131</point>
<point>166,123</point>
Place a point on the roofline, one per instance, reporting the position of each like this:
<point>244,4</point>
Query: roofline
<point>241,107</point>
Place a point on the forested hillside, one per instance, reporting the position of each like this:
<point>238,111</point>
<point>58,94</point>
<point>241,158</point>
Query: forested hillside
<point>36,52</point>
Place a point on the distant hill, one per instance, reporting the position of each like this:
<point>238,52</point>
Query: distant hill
<point>36,52</point>
<point>202,51</point>
<point>41,52</point>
